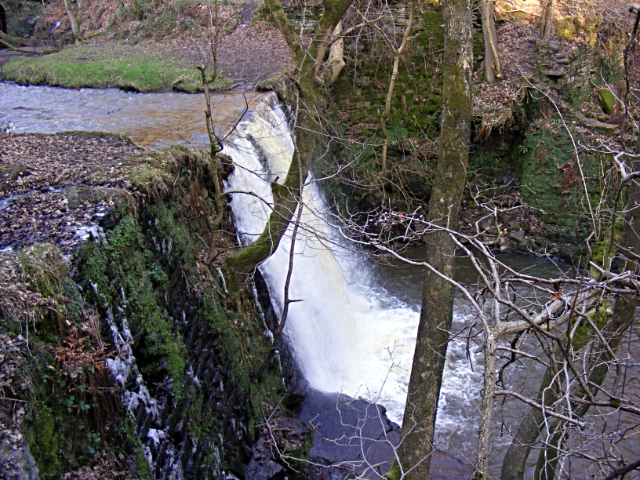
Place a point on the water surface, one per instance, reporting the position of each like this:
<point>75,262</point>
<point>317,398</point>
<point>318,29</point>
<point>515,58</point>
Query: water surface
<point>151,119</point>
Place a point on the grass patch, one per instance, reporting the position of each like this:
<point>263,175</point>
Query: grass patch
<point>104,66</point>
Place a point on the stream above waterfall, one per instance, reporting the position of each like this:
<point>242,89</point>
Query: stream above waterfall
<point>152,120</point>
<point>354,330</point>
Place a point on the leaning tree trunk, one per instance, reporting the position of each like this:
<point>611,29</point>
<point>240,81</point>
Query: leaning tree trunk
<point>613,333</point>
<point>437,296</point>
<point>492,67</point>
<point>243,262</point>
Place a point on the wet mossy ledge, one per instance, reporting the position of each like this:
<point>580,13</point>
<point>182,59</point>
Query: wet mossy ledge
<point>124,353</point>
<point>119,66</point>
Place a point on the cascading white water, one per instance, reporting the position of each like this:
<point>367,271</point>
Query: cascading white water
<point>348,333</point>
<point>340,323</point>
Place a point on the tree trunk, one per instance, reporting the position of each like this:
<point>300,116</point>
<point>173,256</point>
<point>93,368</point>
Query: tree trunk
<point>546,22</point>
<point>437,295</point>
<point>492,68</point>
<point>3,20</point>
<point>515,460</point>
<point>285,195</point>
<point>75,29</point>
<point>137,8</point>
<point>392,83</point>
<point>486,409</point>
<point>335,62</point>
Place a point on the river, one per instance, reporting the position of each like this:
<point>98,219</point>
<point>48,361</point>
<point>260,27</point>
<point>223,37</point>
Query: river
<point>355,329</point>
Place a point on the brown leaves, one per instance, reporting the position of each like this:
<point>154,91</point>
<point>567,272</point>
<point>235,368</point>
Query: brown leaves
<point>14,381</point>
<point>54,188</point>
<point>82,354</point>
<point>60,160</point>
<point>495,104</point>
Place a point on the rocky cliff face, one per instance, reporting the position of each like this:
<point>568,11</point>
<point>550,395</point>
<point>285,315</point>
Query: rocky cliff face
<point>131,357</point>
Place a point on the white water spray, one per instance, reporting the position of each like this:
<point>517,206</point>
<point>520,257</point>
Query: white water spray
<point>347,332</point>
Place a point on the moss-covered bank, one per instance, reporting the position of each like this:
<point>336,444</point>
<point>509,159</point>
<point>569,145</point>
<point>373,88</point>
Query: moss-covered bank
<point>132,357</point>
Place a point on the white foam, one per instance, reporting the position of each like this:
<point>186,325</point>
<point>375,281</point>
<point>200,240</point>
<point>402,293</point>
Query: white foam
<point>348,333</point>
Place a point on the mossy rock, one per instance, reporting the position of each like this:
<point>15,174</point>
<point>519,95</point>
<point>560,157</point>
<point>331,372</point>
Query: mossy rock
<point>570,28</point>
<point>607,100</point>
<point>603,246</point>
<point>21,15</point>
<point>78,195</point>
<point>43,442</point>
<point>9,173</point>
<point>276,83</point>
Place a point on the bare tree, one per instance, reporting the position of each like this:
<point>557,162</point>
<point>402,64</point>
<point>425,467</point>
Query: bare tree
<point>545,22</point>
<point>397,54</point>
<point>437,297</point>
<point>75,28</point>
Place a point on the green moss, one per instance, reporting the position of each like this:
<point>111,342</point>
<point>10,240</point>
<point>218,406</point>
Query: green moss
<point>607,100</point>
<point>119,268</point>
<point>21,15</point>
<point>143,269</point>
<point>276,83</point>
<point>43,442</point>
<point>572,28</point>
<point>9,173</point>
<point>79,195</point>
<point>599,317</point>
<point>550,177</point>
<point>150,180</point>
<point>394,472</point>
<point>601,248</point>
<point>362,87</point>
<point>77,67</point>
<point>45,268</point>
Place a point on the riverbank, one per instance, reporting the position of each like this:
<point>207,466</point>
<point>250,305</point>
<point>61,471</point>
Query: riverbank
<point>55,188</point>
<point>101,267</point>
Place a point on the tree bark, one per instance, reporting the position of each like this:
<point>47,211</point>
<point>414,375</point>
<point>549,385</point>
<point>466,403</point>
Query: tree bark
<point>335,62</point>
<point>437,296</point>
<point>546,22</point>
<point>137,8</point>
<point>3,20</point>
<point>492,67</point>
<point>515,460</point>
<point>486,409</point>
<point>75,29</point>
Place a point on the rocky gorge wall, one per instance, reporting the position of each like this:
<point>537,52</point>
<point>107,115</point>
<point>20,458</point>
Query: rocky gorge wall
<point>123,355</point>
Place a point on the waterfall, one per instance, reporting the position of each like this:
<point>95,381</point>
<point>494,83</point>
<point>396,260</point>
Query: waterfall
<point>348,333</point>
<point>340,329</point>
